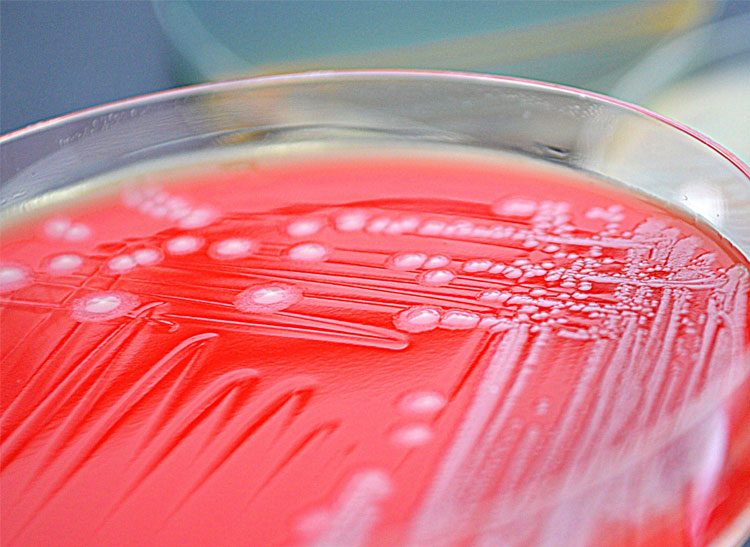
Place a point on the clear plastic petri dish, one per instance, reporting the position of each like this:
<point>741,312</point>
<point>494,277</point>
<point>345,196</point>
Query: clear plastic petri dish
<point>373,307</point>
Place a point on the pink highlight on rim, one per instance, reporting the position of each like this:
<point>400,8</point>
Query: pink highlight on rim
<point>267,297</point>
<point>103,306</point>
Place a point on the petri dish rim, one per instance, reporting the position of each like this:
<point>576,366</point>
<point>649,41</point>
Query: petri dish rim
<point>301,77</point>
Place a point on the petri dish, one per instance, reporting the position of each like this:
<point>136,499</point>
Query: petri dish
<point>373,307</point>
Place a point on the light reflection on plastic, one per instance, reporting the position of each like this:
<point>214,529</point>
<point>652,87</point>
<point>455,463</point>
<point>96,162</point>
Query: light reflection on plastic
<point>706,201</point>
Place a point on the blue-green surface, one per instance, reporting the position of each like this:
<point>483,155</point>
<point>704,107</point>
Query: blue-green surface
<point>274,31</point>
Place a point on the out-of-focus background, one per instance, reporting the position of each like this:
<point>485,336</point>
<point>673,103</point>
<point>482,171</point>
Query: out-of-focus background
<point>687,59</point>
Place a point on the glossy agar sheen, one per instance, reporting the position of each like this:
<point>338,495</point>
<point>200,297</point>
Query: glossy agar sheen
<point>371,350</point>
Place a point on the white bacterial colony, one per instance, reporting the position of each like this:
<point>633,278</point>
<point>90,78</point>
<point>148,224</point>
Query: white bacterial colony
<point>267,297</point>
<point>232,248</point>
<point>104,305</point>
<point>62,228</point>
<point>64,264</point>
<point>158,203</point>
<point>183,245</point>
<point>422,403</point>
<point>14,277</point>
<point>308,252</point>
<point>144,256</point>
